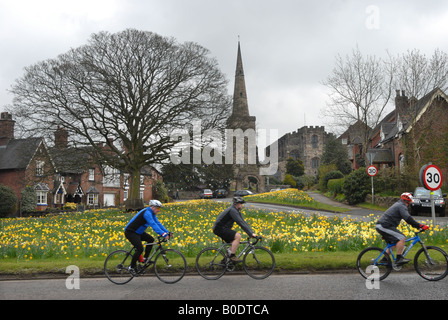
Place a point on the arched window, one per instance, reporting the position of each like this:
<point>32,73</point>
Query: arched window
<point>401,163</point>
<point>315,163</point>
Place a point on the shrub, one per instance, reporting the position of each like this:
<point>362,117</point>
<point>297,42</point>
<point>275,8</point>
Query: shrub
<point>356,186</point>
<point>160,192</point>
<point>323,170</point>
<point>70,206</point>
<point>328,176</point>
<point>336,185</point>
<point>8,201</point>
<point>289,180</point>
<point>28,200</point>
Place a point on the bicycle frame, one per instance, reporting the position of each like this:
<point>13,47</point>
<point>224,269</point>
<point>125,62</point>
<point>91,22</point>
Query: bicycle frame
<point>245,249</point>
<point>159,247</point>
<point>416,239</point>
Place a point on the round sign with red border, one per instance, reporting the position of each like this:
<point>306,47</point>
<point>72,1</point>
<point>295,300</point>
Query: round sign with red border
<point>372,171</point>
<point>432,177</point>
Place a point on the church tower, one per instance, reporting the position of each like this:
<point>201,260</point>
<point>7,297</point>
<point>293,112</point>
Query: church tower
<point>246,175</point>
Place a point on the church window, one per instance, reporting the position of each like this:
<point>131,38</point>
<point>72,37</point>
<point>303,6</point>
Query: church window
<point>315,163</point>
<point>314,141</point>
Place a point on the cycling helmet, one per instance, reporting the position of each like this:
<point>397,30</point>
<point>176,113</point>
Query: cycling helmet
<point>238,200</point>
<point>407,197</point>
<point>155,203</point>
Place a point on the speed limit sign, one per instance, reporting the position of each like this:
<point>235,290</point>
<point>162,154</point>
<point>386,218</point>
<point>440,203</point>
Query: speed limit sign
<point>432,177</point>
<point>372,171</point>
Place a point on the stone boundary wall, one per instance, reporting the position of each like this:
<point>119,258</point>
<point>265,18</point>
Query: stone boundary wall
<point>382,201</point>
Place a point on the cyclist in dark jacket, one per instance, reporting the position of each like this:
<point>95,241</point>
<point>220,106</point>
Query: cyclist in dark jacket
<point>135,231</point>
<point>224,223</point>
<point>387,225</point>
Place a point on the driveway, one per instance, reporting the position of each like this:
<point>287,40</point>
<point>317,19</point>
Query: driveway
<point>353,210</point>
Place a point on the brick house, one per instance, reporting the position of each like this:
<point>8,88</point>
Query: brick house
<point>352,139</point>
<point>88,183</point>
<point>25,162</point>
<point>413,134</point>
<point>60,174</point>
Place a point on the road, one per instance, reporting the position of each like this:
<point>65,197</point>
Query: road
<point>331,286</point>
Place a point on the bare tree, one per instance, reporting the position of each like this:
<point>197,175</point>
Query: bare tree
<point>360,90</point>
<point>128,90</point>
<point>418,75</point>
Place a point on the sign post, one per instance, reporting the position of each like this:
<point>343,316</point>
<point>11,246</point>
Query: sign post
<point>431,178</point>
<point>372,171</point>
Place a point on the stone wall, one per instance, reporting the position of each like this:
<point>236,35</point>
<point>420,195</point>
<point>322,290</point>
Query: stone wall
<point>385,202</point>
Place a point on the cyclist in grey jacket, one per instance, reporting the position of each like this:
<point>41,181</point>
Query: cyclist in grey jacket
<point>387,225</point>
<point>224,223</point>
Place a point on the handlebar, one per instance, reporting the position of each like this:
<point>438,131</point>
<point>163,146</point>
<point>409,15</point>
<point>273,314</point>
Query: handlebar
<point>164,239</point>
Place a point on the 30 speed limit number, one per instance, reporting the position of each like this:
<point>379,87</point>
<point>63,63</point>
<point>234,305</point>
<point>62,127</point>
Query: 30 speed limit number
<point>372,171</point>
<point>432,177</point>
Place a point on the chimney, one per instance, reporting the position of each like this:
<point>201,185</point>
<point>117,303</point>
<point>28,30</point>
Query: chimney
<point>402,106</point>
<point>61,138</point>
<point>6,128</point>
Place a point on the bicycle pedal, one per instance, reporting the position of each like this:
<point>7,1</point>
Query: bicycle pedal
<point>396,268</point>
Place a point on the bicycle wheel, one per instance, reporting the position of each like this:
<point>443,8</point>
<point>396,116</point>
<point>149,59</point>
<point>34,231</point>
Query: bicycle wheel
<point>210,263</point>
<point>259,262</point>
<point>170,266</point>
<point>116,267</point>
<point>431,265</point>
<point>371,260</point>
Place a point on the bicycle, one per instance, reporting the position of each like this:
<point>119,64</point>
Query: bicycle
<point>258,262</point>
<point>170,265</point>
<point>430,262</point>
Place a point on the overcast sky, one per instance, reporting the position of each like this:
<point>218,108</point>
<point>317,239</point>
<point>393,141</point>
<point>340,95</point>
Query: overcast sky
<point>288,46</point>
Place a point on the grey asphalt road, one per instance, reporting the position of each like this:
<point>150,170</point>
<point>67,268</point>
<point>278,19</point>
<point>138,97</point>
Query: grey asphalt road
<point>331,286</point>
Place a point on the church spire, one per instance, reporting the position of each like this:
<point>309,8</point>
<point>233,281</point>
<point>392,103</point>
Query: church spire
<point>240,105</point>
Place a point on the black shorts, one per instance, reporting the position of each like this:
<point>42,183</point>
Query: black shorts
<point>390,235</point>
<point>228,235</point>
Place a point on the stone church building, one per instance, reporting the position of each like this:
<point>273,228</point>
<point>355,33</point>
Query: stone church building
<point>306,144</point>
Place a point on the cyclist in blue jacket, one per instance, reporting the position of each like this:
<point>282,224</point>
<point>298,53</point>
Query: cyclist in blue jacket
<point>135,231</point>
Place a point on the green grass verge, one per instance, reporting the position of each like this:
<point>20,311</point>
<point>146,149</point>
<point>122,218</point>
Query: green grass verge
<point>285,262</point>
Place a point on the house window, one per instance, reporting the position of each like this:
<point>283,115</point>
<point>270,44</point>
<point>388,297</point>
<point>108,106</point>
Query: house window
<point>91,174</point>
<point>41,198</point>
<point>92,199</point>
<point>40,168</point>
<point>111,177</point>
<point>41,193</point>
